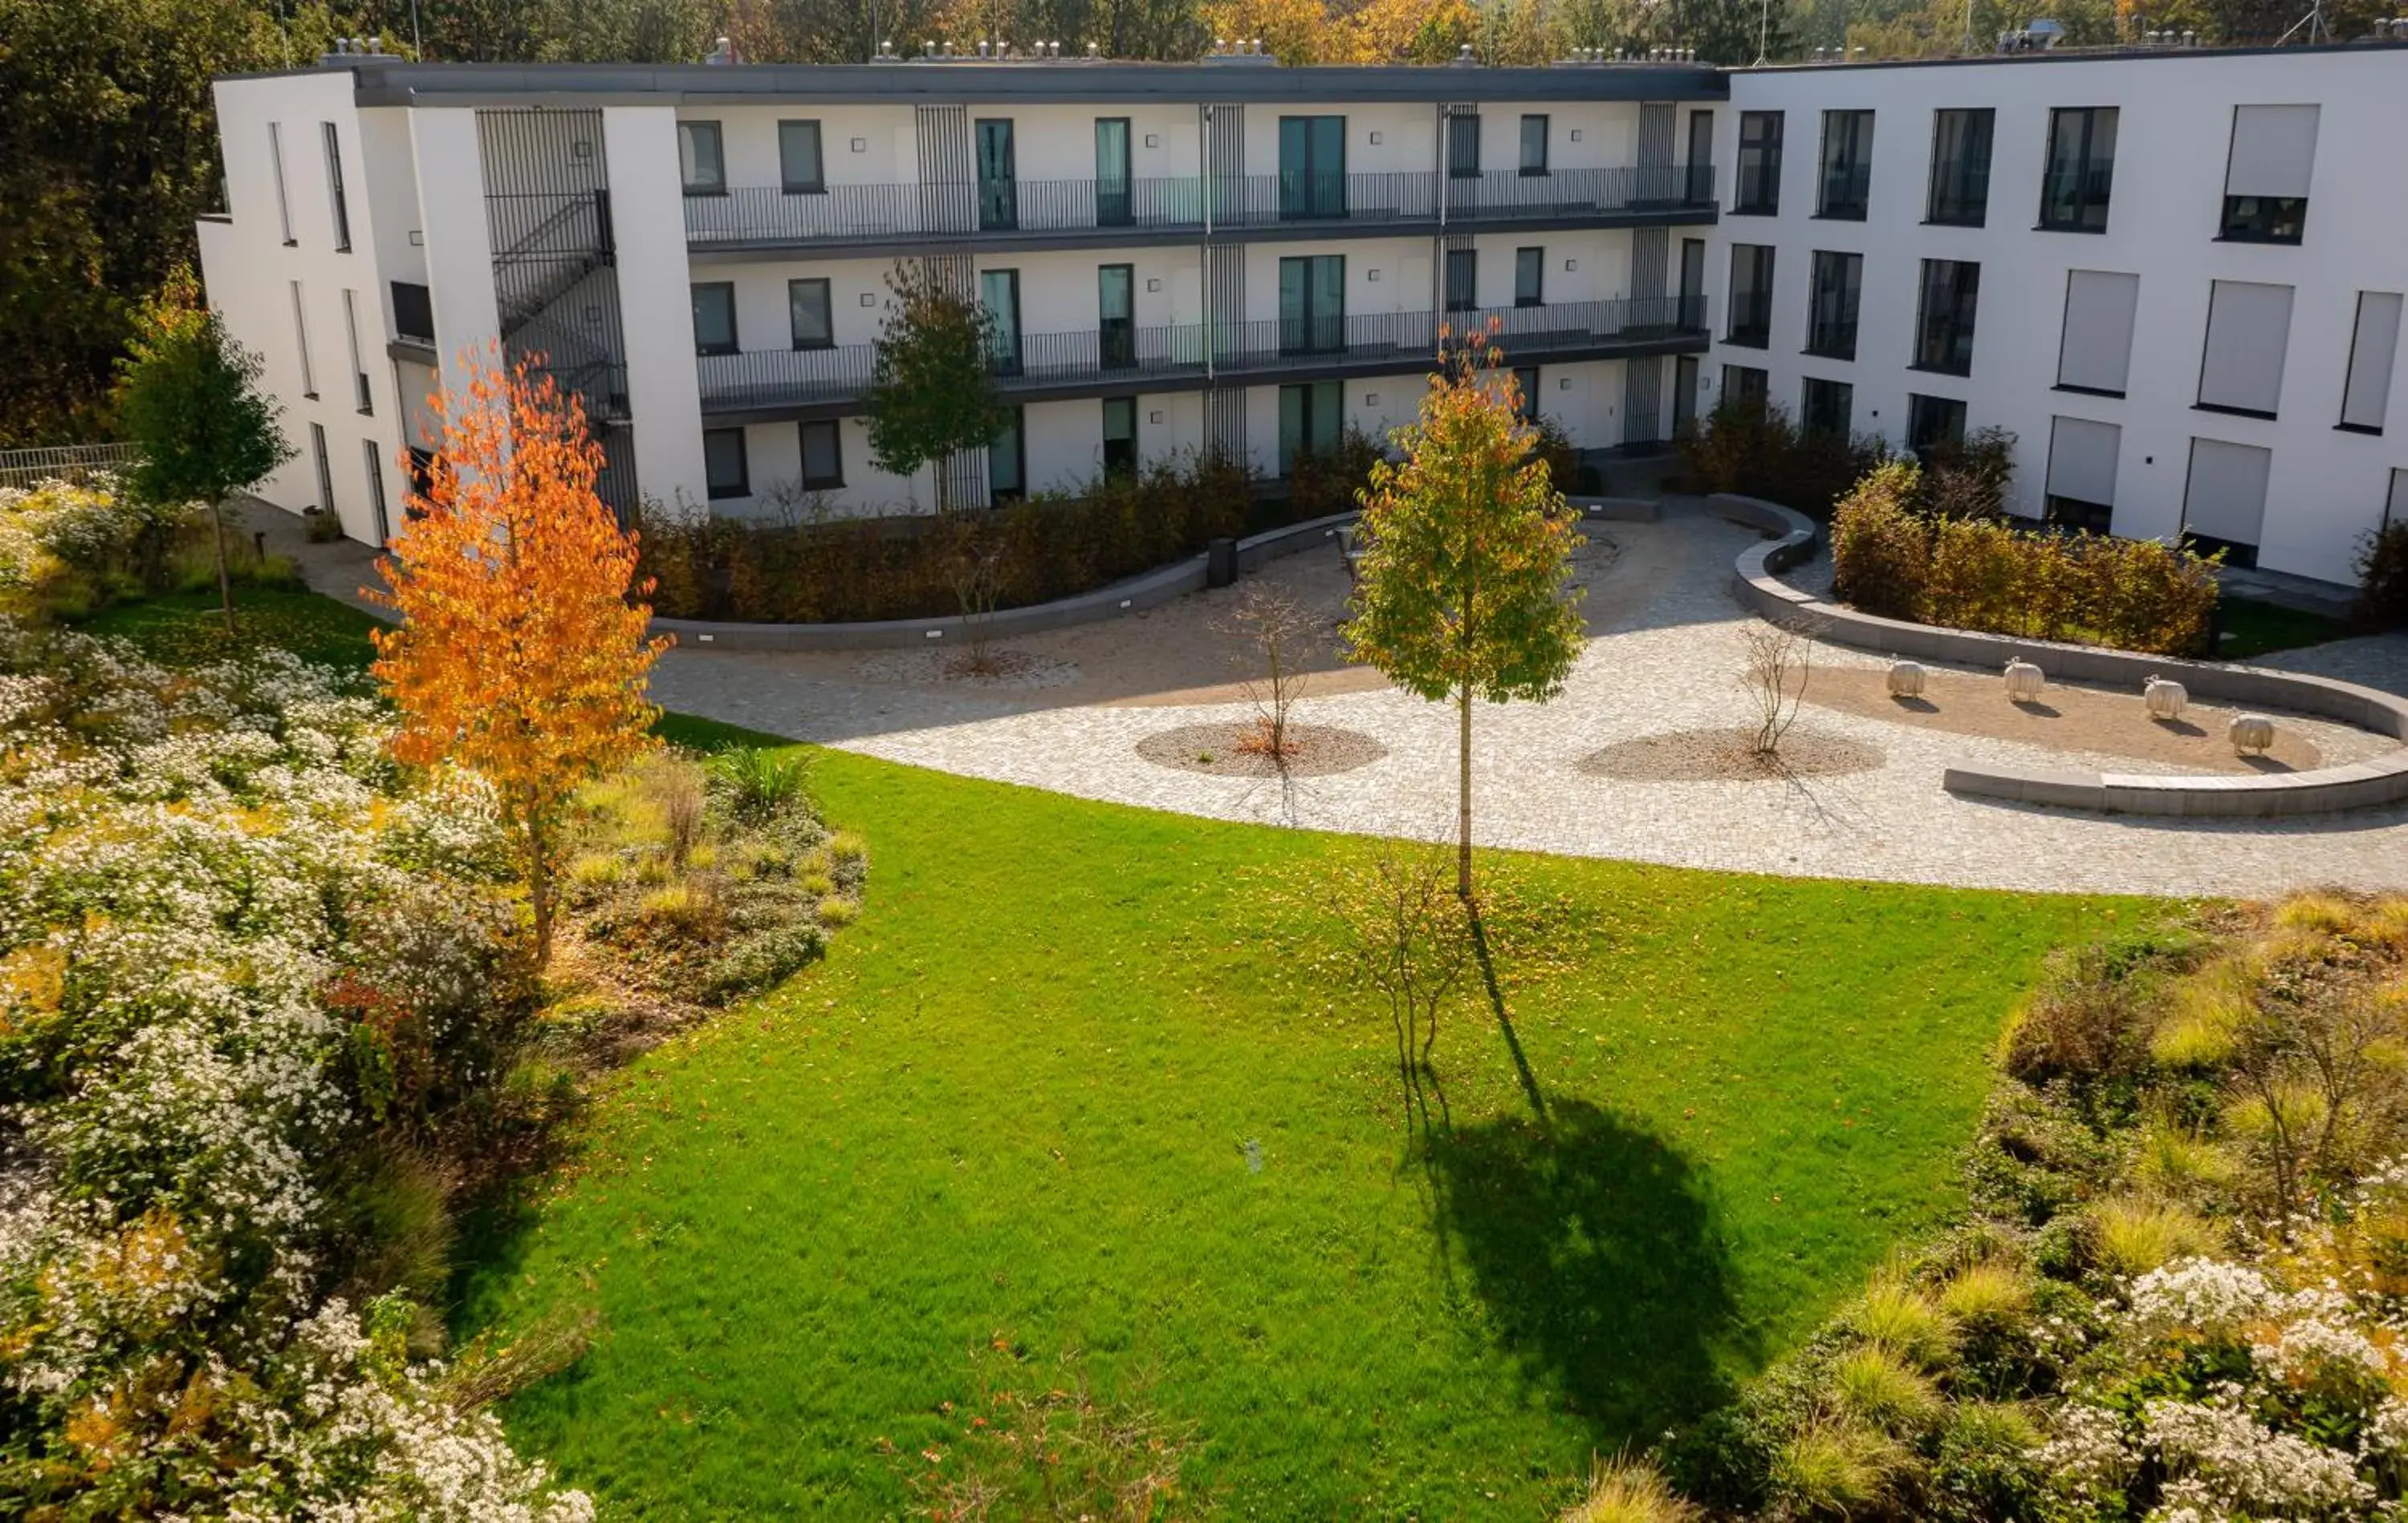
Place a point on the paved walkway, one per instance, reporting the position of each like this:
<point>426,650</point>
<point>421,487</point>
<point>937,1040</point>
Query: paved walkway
<point>1667,655</point>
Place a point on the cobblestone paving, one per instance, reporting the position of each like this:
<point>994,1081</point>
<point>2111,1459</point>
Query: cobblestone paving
<point>1667,658</point>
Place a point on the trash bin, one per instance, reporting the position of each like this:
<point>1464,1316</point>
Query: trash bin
<point>1220,563</point>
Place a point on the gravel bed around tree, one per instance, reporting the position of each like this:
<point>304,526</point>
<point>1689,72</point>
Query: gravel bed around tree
<point>1235,751</point>
<point>1727,755</point>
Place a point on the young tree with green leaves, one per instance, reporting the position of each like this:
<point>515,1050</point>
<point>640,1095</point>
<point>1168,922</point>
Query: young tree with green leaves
<point>932,391</point>
<point>1462,589</point>
<point>188,397</point>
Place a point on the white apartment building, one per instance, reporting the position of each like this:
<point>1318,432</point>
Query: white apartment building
<point>1225,255</point>
<point>2175,276</point>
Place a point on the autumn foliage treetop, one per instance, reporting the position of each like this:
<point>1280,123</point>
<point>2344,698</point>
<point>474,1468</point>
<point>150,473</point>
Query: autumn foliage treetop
<point>521,653</point>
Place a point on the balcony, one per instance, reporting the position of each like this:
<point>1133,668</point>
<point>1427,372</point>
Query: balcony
<point>772,384</point>
<point>1086,212</point>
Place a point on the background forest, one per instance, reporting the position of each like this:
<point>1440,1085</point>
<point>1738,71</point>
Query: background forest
<point>107,150</point>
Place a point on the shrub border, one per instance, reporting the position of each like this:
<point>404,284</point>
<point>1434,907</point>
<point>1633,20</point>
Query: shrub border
<point>2322,790</point>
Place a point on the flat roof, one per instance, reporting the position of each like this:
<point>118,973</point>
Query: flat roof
<point>2121,53</point>
<point>381,81</point>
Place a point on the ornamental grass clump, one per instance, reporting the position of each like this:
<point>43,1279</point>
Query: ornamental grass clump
<point>2178,1296</point>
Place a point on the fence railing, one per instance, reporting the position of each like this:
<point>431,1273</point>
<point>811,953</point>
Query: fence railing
<point>1237,350</point>
<point>1187,204</point>
<point>66,463</point>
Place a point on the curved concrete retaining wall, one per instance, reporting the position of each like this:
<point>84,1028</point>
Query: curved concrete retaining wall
<point>2359,785</point>
<point>1137,593</point>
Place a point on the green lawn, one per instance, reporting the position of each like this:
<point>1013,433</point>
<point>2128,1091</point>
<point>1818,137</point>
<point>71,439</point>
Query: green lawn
<point>2252,628</point>
<point>185,628</point>
<point>1018,1099</point>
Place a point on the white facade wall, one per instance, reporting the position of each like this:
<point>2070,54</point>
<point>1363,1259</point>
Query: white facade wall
<point>2325,485</point>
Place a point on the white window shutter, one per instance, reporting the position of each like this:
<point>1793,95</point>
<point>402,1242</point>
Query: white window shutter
<point>2248,329</point>
<point>2273,151</point>
<point>2096,351</point>
<point>2227,495</point>
<point>2372,350</point>
<point>2082,456</point>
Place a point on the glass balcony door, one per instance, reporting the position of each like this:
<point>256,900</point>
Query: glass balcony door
<point>1113,207</point>
<point>998,191</point>
<point>1000,294</point>
<point>1312,166</point>
<point>1312,421</point>
<point>1116,315</point>
<point>1313,304</point>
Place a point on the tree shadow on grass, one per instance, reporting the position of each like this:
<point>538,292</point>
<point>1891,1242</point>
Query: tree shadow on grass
<point>1592,1249</point>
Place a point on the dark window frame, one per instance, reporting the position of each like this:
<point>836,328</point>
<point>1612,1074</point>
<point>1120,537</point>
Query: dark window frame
<point>1741,382</point>
<point>1960,192</point>
<point>1846,164</point>
<point>834,436</point>
<point>1808,421</point>
<point>1015,430</point>
<point>2264,219</point>
<point>1943,331</point>
<point>1463,296</point>
<point>338,201</point>
<point>1834,311</point>
<point>1526,393</point>
<point>2094,179</point>
<point>734,344</point>
<point>1462,135</point>
<point>693,132</point>
<point>1920,409</point>
<point>721,489</point>
<point>815,184</point>
<point>1121,454</point>
<point>1546,127</point>
<point>827,311</point>
<point>1530,262</point>
<point>1755,184</point>
<point>1750,324</point>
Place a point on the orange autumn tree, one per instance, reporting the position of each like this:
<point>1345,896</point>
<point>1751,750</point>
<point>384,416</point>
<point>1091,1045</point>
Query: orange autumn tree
<point>521,654</point>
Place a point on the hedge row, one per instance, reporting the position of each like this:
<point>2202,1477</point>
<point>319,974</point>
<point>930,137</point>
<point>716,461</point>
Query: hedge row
<point>1978,574</point>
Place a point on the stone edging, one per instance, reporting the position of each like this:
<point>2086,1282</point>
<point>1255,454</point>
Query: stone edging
<point>2359,785</point>
<point>1134,595</point>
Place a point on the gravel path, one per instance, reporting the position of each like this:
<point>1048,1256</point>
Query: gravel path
<point>1666,657</point>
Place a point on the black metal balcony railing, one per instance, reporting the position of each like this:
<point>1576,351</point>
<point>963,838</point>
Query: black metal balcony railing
<point>1184,206</point>
<point>1238,352</point>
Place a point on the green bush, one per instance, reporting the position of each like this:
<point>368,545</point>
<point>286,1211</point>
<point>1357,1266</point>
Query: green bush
<point>2383,579</point>
<point>1750,446</point>
<point>1893,557</point>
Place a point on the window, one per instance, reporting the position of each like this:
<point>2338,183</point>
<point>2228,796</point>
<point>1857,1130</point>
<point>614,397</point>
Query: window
<point>1529,276</point>
<point>335,199</point>
<point>301,345</point>
<point>2224,505</point>
<point>807,312</point>
<point>1746,383</point>
<point>1313,304</point>
<point>1826,406</point>
<point>2394,506</point>
<point>1116,314</point>
<point>1848,176</point>
<point>1312,166</point>
<point>2081,169</point>
<point>2248,329</point>
<point>2266,177</point>
<point>1759,165</point>
<point>801,167</point>
<point>1943,324</point>
<point>1960,167</point>
<point>1120,435</point>
<point>1534,145</point>
<point>722,463</point>
<point>700,162</point>
<point>413,311</point>
<point>1115,207</point>
<point>2095,350</point>
<point>1832,301</point>
<point>2081,489</point>
<point>325,469</point>
<point>360,395</point>
<point>2375,342</point>
<point>1751,295</point>
<point>1006,459</point>
<point>1526,393</point>
<point>1000,294</point>
<point>1684,396</point>
<point>1462,279</point>
<point>1463,146</point>
<point>714,317</point>
<point>284,197</point>
<point>1934,423</point>
<point>823,456</point>
<point>1313,419</point>
<point>382,520</point>
<point>1701,189</point>
<point>998,176</point>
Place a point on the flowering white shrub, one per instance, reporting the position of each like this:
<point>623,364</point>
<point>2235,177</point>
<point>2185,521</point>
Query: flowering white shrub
<point>235,952</point>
